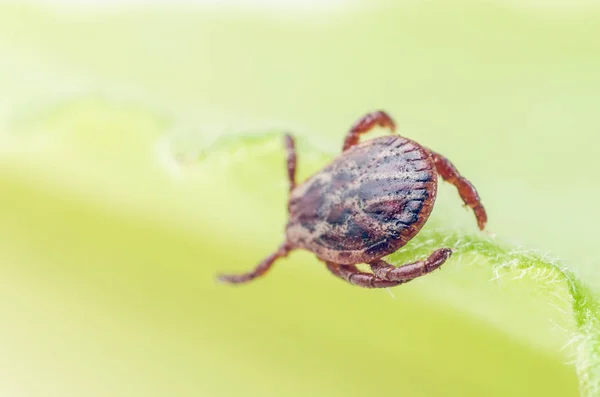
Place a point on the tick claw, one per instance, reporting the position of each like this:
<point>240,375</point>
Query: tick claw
<point>489,233</point>
<point>228,278</point>
<point>221,278</point>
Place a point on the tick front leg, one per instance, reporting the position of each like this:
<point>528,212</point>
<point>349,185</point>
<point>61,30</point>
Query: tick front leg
<point>406,273</point>
<point>290,148</point>
<point>466,190</point>
<point>365,124</point>
<point>260,270</point>
<point>351,274</point>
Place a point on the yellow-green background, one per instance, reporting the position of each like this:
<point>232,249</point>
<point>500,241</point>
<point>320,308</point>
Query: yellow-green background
<point>109,241</point>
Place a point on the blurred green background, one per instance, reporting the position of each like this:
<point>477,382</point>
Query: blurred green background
<point>112,227</point>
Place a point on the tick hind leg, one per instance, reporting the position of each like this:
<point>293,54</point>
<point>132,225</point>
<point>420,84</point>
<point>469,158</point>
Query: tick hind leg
<point>385,275</point>
<point>260,270</point>
<point>365,124</point>
<point>466,190</point>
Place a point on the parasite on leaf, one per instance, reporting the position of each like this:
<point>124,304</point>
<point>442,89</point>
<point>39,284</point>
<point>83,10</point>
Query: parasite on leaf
<point>367,203</point>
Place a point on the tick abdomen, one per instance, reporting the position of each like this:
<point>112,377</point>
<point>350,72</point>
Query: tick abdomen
<point>365,204</point>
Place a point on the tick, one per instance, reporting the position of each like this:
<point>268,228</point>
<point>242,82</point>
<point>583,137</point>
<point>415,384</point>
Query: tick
<point>366,204</point>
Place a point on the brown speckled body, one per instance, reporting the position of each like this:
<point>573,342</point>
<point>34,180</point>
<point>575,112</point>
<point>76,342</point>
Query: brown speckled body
<point>367,203</point>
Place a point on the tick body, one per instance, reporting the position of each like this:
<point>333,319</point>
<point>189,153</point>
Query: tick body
<point>366,204</point>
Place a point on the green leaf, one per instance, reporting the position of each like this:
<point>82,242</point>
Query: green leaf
<point>522,292</point>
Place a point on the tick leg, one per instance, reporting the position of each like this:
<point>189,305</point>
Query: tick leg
<point>466,190</point>
<point>351,274</point>
<point>405,273</point>
<point>365,124</point>
<point>260,270</point>
<point>290,147</point>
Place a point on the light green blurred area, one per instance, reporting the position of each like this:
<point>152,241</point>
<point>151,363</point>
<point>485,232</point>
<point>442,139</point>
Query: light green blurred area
<point>109,246</point>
